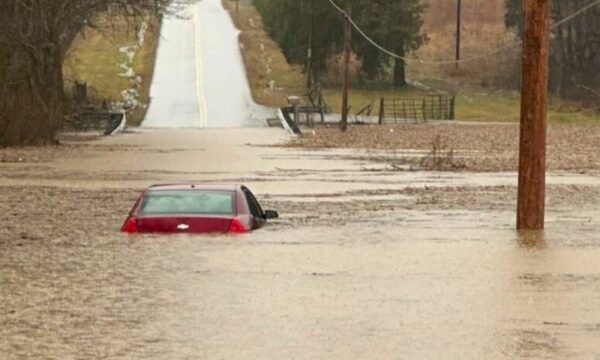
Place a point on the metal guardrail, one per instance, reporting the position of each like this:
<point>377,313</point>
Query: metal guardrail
<point>106,122</point>
<point>287,120</point>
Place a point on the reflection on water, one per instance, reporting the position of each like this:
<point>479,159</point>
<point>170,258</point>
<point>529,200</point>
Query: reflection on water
<point>532,239</point>
<point>349,292</point>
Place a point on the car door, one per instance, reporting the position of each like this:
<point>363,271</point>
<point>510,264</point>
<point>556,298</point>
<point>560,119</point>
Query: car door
<point>258,217</point>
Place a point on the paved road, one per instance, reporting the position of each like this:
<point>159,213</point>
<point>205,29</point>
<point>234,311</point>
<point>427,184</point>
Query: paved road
<point>200,78</point>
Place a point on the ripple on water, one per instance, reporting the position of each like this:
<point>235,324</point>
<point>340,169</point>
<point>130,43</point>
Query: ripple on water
<point>353,291</point>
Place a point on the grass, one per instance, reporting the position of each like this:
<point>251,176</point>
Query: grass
<point>359,98</point>
<point>261,53</point>
<point>505,106</point>
<point>500,69</point>
<point>476,83</point>
<point>94,58</point>
<point>498,106</point>
<point>476,100</point>
<point>439,13</point>
<point>272,79</point>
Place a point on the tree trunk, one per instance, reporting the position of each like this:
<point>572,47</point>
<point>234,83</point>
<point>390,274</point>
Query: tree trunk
<point>400,69</point>
<point>31,95</point>
<point>34,37</point>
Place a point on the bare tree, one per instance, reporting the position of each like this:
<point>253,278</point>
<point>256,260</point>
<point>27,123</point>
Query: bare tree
<point>34,38</point>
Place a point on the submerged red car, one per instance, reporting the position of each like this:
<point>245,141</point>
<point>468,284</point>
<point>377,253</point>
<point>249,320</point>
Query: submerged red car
<point>196,208</point>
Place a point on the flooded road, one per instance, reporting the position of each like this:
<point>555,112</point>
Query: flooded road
<point>364,263</point>
<point>350,292</point>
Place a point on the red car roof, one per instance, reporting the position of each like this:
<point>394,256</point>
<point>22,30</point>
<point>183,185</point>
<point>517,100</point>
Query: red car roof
<point>190,186</point>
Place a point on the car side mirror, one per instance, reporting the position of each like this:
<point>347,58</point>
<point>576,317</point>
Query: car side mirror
<point>270,214</point>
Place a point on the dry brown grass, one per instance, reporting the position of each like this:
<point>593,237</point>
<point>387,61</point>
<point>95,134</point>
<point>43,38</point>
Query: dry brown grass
<point>498,70</point>
<point>440,13</point>
<point>271,78</point>
<point>483,32</point>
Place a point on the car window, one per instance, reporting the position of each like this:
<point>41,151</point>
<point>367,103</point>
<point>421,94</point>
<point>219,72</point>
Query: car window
<point>255,208</point>
<point>189,202</point>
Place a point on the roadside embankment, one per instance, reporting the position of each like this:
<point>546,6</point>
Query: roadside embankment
<point>116,60</point>
<point>270,76</point>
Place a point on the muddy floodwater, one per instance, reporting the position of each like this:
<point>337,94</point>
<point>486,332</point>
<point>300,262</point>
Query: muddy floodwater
<point>365,262</point>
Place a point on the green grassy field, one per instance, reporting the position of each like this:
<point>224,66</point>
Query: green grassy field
<point>359,98</point>
<point>505,106</point>
<point>94,58</point>
<point>499,106</point>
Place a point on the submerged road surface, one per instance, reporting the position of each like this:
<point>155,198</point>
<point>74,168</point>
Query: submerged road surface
<point>379,264</point>
<point>200,79</point>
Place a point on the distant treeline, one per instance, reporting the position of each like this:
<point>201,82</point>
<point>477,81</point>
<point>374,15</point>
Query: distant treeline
<point>297,25</point>
<point>398,26</point>
<point>575,55</point>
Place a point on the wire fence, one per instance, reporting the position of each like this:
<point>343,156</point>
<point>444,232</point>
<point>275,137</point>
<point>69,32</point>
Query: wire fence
<point>404,110</point>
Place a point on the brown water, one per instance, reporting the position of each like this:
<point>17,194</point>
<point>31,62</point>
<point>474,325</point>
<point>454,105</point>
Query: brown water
<point>336,278</point>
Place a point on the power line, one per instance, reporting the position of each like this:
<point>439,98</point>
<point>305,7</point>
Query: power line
<point>410,60</point>
<point>446,62</point>
<point>575,14</point>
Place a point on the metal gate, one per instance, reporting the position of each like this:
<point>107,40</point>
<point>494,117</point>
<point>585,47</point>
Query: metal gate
<point>403,110</point>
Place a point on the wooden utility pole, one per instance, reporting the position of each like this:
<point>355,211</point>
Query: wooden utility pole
<point>237,5</point>
<point>458,26</point>
<point>347,51</point>
<point>534,101</point>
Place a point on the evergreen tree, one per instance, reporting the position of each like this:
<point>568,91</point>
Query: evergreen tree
<point>291,22</point>
<point>395,24</point>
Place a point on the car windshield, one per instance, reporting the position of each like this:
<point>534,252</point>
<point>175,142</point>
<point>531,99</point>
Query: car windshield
<point>189,202</point>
